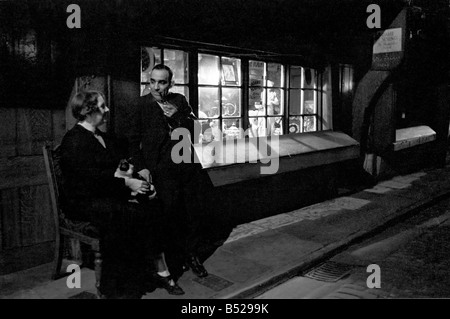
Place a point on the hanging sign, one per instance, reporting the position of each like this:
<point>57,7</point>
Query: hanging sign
<point>388,50</point>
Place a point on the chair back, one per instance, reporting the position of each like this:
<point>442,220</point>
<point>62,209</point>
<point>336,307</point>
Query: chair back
<point>54,177</point>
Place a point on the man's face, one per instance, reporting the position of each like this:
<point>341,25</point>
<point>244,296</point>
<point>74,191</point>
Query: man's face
<point>159,84</point>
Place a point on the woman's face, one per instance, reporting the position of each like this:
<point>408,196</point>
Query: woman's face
<point>99,117</point>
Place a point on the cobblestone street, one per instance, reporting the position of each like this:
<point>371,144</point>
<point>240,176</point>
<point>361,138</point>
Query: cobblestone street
<point>413,257</point>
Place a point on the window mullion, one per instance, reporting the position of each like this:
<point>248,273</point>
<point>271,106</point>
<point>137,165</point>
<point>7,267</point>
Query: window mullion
<point>193,80</point>
<point>244,93</point>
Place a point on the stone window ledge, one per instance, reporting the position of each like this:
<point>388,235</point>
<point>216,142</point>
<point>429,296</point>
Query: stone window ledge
<point>238,160</point>
<point>412,136</point>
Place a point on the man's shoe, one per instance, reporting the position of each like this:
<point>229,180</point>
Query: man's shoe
<point>197,268</point>
<point>167,283</point>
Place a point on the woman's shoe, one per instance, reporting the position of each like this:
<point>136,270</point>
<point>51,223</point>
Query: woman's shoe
<point>167,283</point>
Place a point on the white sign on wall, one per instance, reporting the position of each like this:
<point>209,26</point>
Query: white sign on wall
<point>389,41</point>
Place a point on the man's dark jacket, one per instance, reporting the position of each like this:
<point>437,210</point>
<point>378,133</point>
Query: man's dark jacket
<point>152,130</point>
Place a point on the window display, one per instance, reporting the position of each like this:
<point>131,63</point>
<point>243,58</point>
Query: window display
<point>266,96</point>
<point>219,96</point>
<point>261,98</point>
<point>304,90</point>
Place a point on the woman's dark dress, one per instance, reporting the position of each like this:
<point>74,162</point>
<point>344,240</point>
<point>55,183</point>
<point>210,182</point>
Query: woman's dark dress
<point>92,193</point>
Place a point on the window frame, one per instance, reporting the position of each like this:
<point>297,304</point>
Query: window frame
<point>193,86</point>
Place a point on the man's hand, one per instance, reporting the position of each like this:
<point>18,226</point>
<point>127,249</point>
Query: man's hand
<point>145,173</point>
<point>169,109</point>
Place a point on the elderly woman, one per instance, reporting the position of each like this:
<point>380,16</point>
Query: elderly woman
<point>89,161</point>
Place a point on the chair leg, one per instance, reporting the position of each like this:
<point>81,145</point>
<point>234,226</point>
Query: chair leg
<point>57,262</point>
<point>98,273</point>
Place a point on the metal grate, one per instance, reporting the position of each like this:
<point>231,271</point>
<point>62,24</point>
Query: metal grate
<point>329,271</point>
<point>213,282</point>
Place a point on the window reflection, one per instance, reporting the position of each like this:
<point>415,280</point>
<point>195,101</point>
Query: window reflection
<point>295,77</point>
<point>208,69</point>
<point>232,128</point>
<point>177,61</point>
<point>309,124</point>
<point>275,74</point>
<point>209,106</point>
<point>231,102</point>
<point>231,71</point>
<point>295,123</point>
<point>257,126</point>
<point>256,73</point>
<point>210,131</point>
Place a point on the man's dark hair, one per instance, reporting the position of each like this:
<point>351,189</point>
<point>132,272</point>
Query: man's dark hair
<point>164,67</point>
<point>84,103</point>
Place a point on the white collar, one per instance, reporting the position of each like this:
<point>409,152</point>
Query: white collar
<point>88,126</point>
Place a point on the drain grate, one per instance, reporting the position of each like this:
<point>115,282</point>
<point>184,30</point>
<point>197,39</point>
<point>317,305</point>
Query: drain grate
<point>329,271</point>
<point>213,282</point>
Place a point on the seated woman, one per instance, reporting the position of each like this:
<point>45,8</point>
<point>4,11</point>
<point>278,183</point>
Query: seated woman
<point>130,231</point>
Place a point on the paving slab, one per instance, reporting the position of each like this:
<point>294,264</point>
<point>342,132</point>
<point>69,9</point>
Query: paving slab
<point>263,253</point>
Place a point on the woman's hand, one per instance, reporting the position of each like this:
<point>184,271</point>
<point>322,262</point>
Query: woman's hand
<point>137,185</point>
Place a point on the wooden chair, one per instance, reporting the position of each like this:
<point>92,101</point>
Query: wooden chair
<point>84,232</point>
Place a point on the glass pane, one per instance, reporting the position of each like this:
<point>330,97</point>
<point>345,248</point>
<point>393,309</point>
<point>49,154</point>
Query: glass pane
<point>256,73</point>
<point>177,61</point>
<point>327,111</point>
<point>276,125</point>
<point>257,126</point>
<point>346,78</point>
<point>295,77</point>
<point>210,131</point>
<point>274,102</point>
<point>182,90</point>
<point>309,106</point>
<point>309,124</point>
<point>256,97</point>
<point>149,58</point>
<point>231,102</point>
<point>281,109</point>
<point>275,74</point>
<point>326,79</point>
<point>231,71</point>
<point>294,101</point>
<point>232,128</point>
<point>208,69</point>
<point>208,99</point>
<point>309,78</point>
<point>295,123</point>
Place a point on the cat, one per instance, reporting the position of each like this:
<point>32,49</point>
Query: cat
<point>126,170</point>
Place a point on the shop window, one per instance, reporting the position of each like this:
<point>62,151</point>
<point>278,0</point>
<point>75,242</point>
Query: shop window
<point>266,99</point>
<point>274,99</point>
<point>306,99</point>
<point>219,97</point>
<point>177,60</point>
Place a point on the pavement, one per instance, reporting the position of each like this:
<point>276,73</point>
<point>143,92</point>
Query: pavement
<point>264,253</point>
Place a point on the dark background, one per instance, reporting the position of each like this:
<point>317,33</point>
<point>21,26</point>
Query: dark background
<point>309,32</point>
